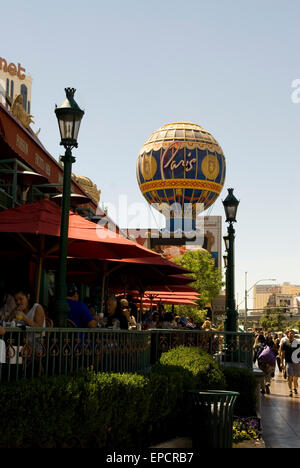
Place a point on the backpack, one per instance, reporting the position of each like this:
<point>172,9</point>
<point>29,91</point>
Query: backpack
<point>267,356</point>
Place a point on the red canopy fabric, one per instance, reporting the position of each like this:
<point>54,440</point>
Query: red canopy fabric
<point>87,239</point>
<point>168,267</point>
<point>155,289</point>
<point>168,296</point>
<point>174,293</point>
<point>175,280</point>
<point>172,289</point>
<point>153,282</point>
<point>174,301</point>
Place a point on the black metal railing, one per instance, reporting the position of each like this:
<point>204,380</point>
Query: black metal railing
<point>53,352</point>
<point>59,351</point>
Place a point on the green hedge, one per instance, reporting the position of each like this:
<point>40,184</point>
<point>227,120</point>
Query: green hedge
<point>199,369</point>
<point>101,409</point>
<point>110,410</point>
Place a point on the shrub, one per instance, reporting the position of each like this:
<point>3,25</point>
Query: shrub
<point>114,410</point>
<point>242,381</point>
<point>39,411</point>
<point>52,411</point>
<point>199,369</point>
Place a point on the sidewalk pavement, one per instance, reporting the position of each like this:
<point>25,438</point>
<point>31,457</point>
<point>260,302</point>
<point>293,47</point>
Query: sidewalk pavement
<point>281,416</point>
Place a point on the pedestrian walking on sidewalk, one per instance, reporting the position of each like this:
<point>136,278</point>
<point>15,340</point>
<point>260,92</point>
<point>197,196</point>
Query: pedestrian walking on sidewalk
<point>277,342</point>
<point>266,362</point>
<point>290,351</point>
<point>282,360</point>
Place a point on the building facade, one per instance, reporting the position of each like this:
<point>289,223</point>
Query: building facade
<point>14,82</point>
<point>280,295</point>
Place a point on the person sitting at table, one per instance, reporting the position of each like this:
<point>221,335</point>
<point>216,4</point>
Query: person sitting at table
<point>207,325</point>
<point>127,321</point>
<point>162,311</point>
<point>155,323</point>
<point>112,313</point>
<point>7,303</point>
<point>177,323</point>
<point>27,311</point>
<point>79,313</point>
<point>30,314</point>
<point>146,319</point>
<point>168,321</point>
<point>185,322</point>
<point>133,307</point>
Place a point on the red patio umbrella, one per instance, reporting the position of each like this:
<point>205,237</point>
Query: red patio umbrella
<point>87,239</point>
<point>174,301</point>
<point>166,266</point>
<point>36,228</point>
<point>172,296</point>
<point>124,274</point>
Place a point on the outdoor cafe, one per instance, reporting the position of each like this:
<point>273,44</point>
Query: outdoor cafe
<point>103,263</point>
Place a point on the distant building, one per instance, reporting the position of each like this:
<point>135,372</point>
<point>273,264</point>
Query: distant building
<point>281,295</point>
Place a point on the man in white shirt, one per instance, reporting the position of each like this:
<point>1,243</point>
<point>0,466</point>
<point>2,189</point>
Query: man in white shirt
<point>290,350</point>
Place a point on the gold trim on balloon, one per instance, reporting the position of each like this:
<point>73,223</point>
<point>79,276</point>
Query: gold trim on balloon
<point>190,145</point>
<point>181,184</point>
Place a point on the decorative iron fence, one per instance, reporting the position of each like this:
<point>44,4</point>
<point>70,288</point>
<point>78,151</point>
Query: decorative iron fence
<point>65,351</point>
<point>54,351</point>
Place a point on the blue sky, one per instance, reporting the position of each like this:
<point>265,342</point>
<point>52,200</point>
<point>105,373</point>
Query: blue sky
<point>227,65</point>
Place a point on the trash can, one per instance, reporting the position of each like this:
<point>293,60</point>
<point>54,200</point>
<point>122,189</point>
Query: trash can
<point>211,415</point>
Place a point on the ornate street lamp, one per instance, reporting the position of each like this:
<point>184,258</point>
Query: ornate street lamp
<point>230,205</point>
<point>226,242</point>
<point>69,117</point>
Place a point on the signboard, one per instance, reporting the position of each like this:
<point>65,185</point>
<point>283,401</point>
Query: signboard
<point>210,239</point>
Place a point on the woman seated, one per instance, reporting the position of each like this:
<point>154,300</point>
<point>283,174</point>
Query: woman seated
<point>155,323</point>
<point>168,322</point>
<point>30,313</point>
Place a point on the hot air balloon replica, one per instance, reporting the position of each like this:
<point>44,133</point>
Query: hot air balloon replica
<point>181,172</point>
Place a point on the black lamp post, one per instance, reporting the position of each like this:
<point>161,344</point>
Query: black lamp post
<point>69,117</point>
<point>230,205</point>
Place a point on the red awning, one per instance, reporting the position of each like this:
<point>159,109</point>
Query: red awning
<point>87,239</point>
<point>174,301</point>
<point>172,289</point>
<point>168,267</point>
<point>171,295</point>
